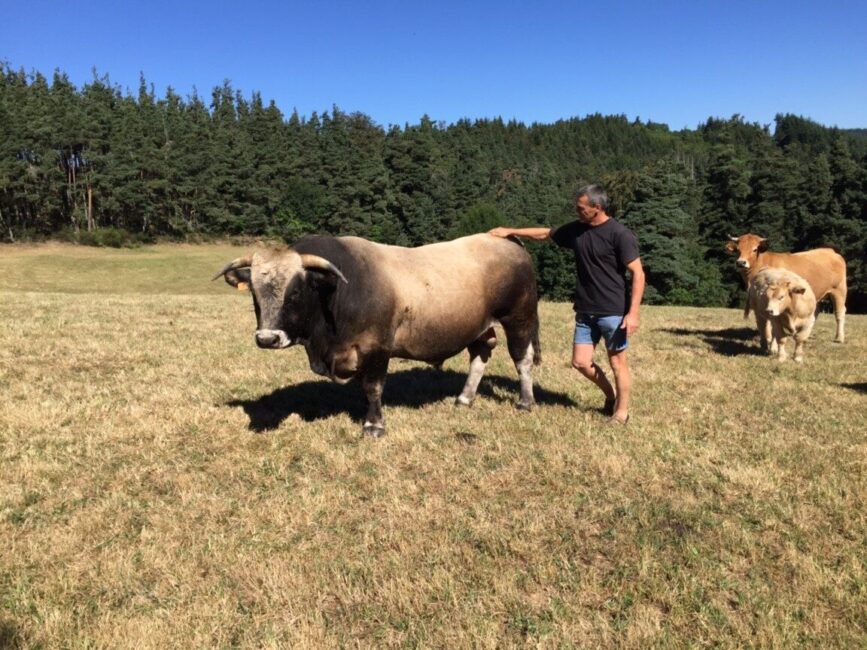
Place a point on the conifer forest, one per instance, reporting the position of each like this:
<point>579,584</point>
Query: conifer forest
<point>104,165</point>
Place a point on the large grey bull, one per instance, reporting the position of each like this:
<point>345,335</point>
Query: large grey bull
<point>354,304</point>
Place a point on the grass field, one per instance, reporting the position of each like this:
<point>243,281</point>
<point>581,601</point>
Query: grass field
<point>166,484</point>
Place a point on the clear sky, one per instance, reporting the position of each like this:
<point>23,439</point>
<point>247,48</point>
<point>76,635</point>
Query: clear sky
<point>535,61</point>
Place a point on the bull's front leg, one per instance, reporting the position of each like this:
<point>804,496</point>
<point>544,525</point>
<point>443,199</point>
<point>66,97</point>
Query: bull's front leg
<point>373,382</point>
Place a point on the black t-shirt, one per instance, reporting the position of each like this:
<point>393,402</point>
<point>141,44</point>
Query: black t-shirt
<point>601,255</point>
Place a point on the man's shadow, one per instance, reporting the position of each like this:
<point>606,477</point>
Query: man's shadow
<point>318,399</point>
<point>731,341</point>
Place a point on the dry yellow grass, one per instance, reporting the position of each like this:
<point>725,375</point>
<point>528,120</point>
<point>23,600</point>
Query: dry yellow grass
<point>163,483</point>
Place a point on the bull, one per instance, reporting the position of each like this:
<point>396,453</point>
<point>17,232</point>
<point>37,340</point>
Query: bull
<point>354,305</point>
<point>823,268</point>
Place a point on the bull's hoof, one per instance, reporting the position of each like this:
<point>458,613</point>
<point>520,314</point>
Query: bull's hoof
<point>524,406</point>
<point>373,431</point>
<point>460,400</point>
<point>799,359</point>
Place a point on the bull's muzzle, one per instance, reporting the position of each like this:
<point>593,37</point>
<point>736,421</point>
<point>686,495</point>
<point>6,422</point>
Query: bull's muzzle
<point>742,264</point>
<point>272,339</point>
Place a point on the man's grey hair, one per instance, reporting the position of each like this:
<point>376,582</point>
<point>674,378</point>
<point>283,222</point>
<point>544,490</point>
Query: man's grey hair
<point>595,195</point>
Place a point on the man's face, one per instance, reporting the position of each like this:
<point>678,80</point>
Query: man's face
<point>586,212</point>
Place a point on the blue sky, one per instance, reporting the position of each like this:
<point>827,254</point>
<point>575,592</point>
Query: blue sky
<point>672,62</point>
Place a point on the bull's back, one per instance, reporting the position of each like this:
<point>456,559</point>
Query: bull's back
<point>823,268</point>
<point>446,294</point>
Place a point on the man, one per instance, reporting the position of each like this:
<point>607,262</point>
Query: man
<point>606,306</point>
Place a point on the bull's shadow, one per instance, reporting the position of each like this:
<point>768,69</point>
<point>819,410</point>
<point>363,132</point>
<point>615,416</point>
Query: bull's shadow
<point>857,387</point>
<point>318,399</point>
<point>731,341</point>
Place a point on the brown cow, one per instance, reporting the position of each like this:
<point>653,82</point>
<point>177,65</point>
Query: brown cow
<point>823,268</point>
<point>787,302</point>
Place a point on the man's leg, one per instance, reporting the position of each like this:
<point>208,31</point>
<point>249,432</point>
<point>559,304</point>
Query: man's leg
<point>582,361</point>
<point>623,380</point>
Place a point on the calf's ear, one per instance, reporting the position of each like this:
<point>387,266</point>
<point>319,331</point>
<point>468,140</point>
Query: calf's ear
<point>731,246</point>
<point>763,245</point>
<point>799,288</point>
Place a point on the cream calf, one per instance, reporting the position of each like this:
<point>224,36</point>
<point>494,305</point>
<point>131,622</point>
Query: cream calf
<point>788,303</point>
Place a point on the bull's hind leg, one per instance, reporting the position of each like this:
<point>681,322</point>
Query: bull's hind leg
<point>523,339</point>
<point>480,352</point>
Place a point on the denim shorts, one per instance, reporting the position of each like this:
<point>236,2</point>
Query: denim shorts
<point>589,329</point>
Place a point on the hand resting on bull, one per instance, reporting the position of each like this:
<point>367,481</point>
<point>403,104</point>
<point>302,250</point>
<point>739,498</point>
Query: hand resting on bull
<point>354,304</point>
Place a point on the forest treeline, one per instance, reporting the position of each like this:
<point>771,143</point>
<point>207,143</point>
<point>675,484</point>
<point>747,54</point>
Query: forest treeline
<point>99,164</point>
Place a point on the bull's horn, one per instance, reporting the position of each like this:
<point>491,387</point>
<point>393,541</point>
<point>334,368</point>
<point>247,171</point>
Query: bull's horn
<point>239,263</point>
<point>733,238</point>
<point>315,262</point>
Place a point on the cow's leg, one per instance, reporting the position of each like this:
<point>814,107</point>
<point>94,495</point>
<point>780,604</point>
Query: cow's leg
<point>780,339</point>
<point>838,295</point>
<point>763,324</point>
<point>480,352</point>
<point>373,382</point>
<point>520,337</point>
<point>799,348</point>
<point>769,336</point>
<point>801,337</point>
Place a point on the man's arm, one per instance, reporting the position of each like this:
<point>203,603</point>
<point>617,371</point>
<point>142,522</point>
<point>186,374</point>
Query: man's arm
<point>633,318</point>
<point>530,233</point>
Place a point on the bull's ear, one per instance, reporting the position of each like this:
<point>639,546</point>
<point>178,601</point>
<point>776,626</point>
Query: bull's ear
<point>238,278</point>
<point>236,272</point>
<point>731,246</point>
<point>320,279</point>
<point>799,288</point>
<point>763,245</point>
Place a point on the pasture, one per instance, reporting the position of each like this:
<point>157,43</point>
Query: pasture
<point>164,483</point>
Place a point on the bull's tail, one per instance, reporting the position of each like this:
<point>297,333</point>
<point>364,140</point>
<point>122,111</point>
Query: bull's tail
<point>537,347</point>
<point>747,308</point>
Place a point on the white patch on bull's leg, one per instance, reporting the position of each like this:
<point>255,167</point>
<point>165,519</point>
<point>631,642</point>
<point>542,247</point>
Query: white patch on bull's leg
<point>373,430</point>
<point>373,385</point>
<point>477,370</point>
<point>524,366</point>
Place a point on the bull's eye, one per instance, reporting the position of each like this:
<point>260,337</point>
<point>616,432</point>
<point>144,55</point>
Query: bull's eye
<point>755,249</point>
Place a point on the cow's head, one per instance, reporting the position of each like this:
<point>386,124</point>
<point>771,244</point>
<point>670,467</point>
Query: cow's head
<point>287,287</point>
<point>779,295</point>
<point>748,247</point>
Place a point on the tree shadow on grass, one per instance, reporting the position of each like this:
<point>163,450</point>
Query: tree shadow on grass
<point>318,399</point>
<point>731,341</point>
<point>857,387</point>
